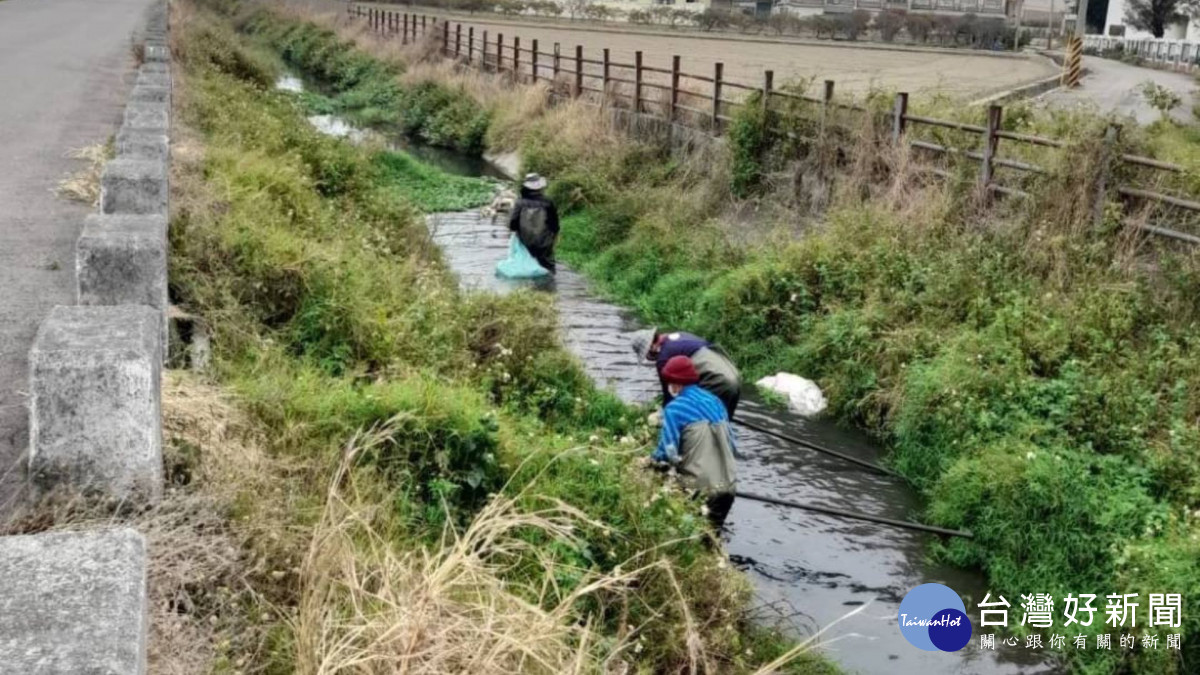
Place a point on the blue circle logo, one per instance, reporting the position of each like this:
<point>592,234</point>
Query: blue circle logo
<point>932,617</point>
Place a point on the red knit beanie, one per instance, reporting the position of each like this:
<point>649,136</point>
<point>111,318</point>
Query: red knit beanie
<point>680,370</point>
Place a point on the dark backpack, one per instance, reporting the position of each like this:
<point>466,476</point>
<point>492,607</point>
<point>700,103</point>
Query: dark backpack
<point>532,227</point>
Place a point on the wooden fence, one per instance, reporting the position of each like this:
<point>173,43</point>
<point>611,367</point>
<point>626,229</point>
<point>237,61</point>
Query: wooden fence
<point>707,102</point>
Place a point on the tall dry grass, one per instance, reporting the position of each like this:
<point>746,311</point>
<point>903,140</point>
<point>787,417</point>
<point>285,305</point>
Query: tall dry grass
<point>202,570</point>
<point>368,606</point>
<point>83,185</point>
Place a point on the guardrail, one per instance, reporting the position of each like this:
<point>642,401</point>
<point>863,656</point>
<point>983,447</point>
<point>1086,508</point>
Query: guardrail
<point>708,102</point>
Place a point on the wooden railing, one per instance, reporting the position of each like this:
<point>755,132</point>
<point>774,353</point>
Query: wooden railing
<point>708,103</point>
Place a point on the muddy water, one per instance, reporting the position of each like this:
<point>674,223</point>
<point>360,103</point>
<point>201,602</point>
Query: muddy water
<point>808,569</point>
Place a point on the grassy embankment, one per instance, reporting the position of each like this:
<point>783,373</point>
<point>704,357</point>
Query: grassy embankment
<point>1032,371</point>
<point>386,473</point>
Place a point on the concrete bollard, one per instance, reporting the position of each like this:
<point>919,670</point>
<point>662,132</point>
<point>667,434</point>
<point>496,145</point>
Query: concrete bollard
<point>149,94</point>
<point>156,53</point>
<point>147,117</point>
<point>143,145</point>
<point>134,186</point>
<point>122,260</point>
<point>154,79</point>
<point>74,602</point>
<point>94,414</point>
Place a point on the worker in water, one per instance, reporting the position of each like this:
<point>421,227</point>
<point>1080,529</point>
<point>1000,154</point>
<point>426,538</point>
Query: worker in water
<point>717,373</point>
<point>534,219</point>
<point>696,439</point>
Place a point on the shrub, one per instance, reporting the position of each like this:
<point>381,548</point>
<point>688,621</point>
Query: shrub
<point>854,24</point>
<point>890,22</point>
<point>918,26</point>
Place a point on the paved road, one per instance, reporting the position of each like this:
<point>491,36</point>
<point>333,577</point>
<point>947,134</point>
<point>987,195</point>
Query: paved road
<point>65,69</point>
<point>1115,87</point>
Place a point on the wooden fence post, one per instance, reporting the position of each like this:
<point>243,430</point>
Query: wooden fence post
<point>990,144</point>
<point>499,52</point>
<point>718,70</point>
<point>578,71</point>
<point>826,101</point>
<point>517,59</point>
<point>483,53</point>
<point>457,39</point>
<point>556,60</point>
<point>470,44</point>
<point>768,87</point>
<point>1111,135</point>
<point>671,114</point>
<point>605,72</point>
<point>533,59</point>
<point>899,117</point>
<point>637,82</point>
<point>424,26</point>
<point>446,39</point>
<point>404,35</point>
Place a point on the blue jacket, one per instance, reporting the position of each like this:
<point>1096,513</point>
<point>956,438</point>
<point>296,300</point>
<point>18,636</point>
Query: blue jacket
<point>693,404</point>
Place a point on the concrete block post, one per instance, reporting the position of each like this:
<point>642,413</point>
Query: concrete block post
<point>147,117</point>
<point>122,260</point>
<point>94,414</point>
<point>143,145</point>
<point>134,186</point>
<point>154,79</point>
<point>156,53</point>
<point>150,94</point>
<point>74,602</point>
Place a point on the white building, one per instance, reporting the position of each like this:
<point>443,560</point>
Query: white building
<point>1115,21</point>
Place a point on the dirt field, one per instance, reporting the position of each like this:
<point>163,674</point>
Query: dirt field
<point>853,69</point>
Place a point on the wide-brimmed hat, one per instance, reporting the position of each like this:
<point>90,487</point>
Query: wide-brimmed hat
<point>680,370</point>
<point>534,181</point>
<point>641,342</point>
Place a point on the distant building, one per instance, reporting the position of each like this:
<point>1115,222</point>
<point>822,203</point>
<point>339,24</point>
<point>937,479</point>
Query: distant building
<point>997,8</point>
<point>1116,26</point>
<point>693,5</point>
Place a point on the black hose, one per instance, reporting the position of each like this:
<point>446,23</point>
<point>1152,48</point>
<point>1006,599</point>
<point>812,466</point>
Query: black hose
<point>805,444</point>
<point>856,516</point>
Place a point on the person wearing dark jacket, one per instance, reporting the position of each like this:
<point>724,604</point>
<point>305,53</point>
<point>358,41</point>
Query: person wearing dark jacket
<point>534,219</point>
<point>718,374</point>
<point>697,441</point>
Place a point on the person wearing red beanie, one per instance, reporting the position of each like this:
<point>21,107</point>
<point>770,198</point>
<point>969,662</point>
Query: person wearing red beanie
<point>696,439</point>
<point>680,371</point>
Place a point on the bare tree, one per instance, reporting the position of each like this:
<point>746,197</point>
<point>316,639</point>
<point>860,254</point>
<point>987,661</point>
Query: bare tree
<point>578,7</point>
<point>1156,15</point>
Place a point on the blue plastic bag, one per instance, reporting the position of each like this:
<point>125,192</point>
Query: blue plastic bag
<point>519,264</point>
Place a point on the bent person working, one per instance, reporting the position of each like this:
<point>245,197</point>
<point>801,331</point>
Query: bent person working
<point>696,439</point>
<point>718,375</point>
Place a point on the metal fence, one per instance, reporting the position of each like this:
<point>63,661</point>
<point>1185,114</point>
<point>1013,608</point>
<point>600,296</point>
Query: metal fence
<point>708,103</point>
<point>1180,55</point>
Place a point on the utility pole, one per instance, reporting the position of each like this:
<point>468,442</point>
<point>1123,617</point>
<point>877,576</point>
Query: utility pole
<point>1020,10</point>
<point>1073,63</point>
<point>1050,28</point>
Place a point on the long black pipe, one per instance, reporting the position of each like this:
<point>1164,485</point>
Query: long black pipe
<point>805,444</point>
<point>856,516</point>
